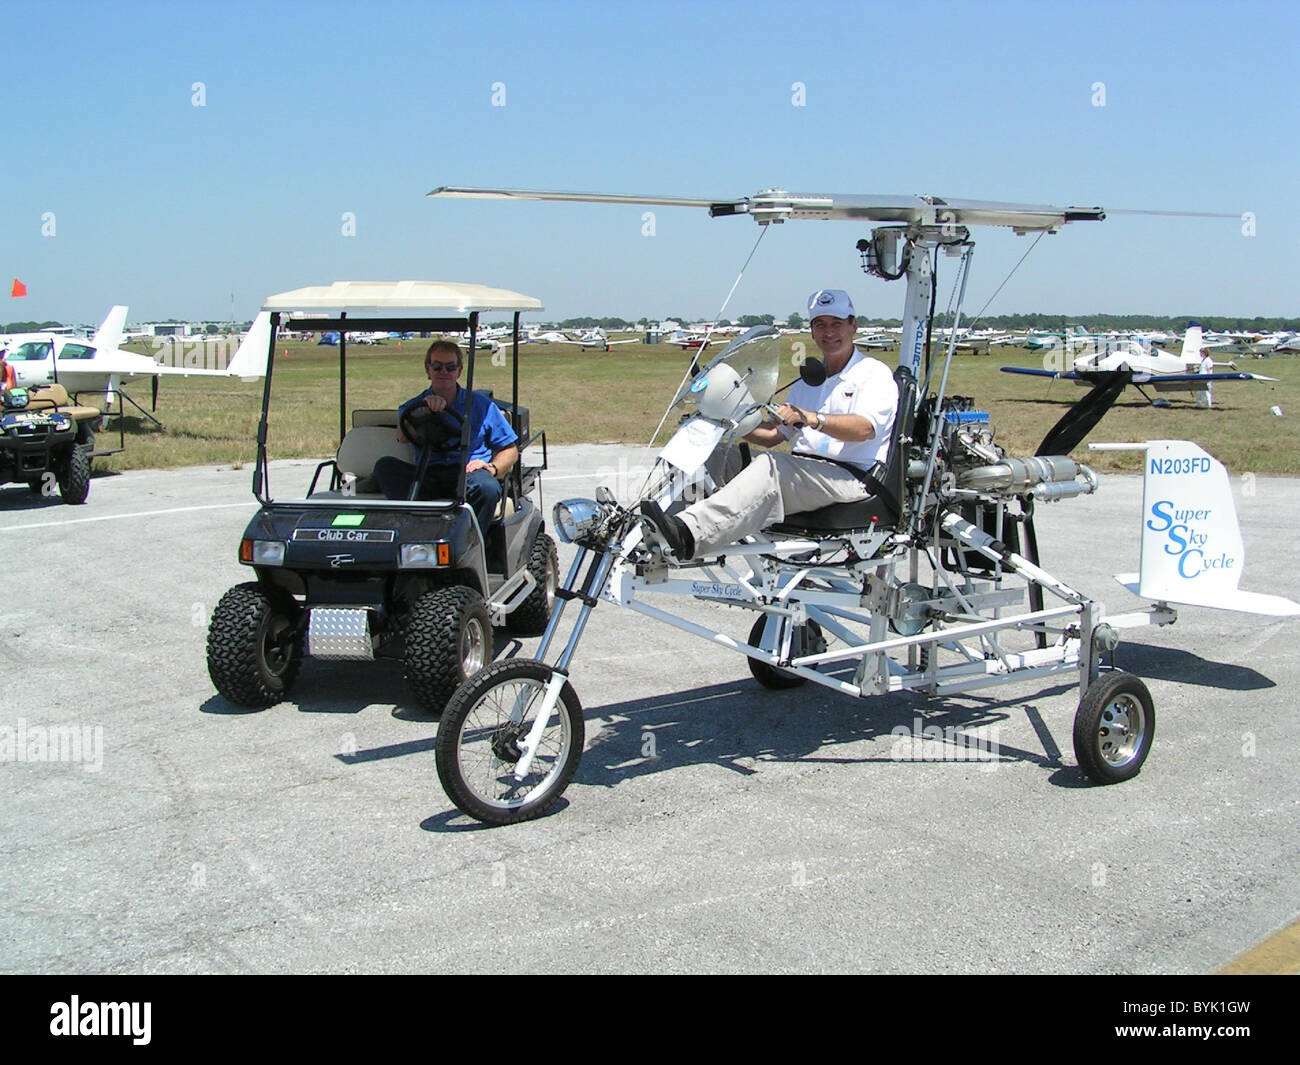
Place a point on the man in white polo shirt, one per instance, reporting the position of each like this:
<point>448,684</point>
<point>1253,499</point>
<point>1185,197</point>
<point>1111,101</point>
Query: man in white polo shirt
<point>839,430</point>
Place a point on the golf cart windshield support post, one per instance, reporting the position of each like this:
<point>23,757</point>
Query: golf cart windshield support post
<point>261,472</point>
<point>517,471</point>
<point>465,426</point>
<point>514,375</point>
<point>343,381</point>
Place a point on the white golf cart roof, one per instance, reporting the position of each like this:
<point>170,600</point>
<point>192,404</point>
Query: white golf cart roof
<point>352,296</point>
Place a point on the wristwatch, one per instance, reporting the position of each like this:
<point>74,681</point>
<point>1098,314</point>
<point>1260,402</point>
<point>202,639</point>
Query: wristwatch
<point>493,467</point>
<point>821,421</point>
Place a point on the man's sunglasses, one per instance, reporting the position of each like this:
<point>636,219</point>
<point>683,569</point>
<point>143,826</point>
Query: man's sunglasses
<point>450,367</point>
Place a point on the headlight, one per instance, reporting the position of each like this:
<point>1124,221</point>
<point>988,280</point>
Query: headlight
<point>424,556</point>
<point>262,552</point>
<point>575,519</point>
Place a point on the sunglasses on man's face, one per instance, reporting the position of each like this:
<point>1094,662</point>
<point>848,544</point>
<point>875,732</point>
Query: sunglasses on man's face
<point>435,367</point>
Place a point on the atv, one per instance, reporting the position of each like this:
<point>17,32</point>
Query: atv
<point>47,441</point>
<point>344,573</point>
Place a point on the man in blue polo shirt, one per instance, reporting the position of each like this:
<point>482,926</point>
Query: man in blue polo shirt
<point>492,450</point>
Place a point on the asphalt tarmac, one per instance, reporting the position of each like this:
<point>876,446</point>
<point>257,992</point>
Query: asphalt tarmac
<point>713,825</point>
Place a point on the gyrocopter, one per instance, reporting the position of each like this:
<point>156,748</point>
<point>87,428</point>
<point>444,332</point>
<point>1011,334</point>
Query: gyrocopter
<point>932,584</point>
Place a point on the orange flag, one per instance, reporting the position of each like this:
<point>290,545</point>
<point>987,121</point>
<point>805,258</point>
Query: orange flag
<point>18,289</point>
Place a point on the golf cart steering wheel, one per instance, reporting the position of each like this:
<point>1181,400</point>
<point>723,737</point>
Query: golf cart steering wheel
<point>429,429</point>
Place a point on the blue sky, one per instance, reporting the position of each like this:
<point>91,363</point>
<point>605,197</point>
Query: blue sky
<point>313,110</point>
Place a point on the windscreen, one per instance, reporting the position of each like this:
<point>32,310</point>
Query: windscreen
<point>755,355</point>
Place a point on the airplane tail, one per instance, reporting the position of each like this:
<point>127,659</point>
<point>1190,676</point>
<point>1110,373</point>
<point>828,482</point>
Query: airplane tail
<point>250,360</point>
<point>1192,341</point>
<point>1191,543</point>
<point>109,335</point>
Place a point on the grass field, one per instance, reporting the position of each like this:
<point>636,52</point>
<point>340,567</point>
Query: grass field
<point>619,396</point>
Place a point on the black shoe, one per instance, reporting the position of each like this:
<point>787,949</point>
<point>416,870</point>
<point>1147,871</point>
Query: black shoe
<point>674,531</point>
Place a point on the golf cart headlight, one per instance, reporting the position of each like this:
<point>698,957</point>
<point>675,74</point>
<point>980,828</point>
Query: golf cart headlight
<point>426,556</point>
<point>575,518</point>
<point>264,553</point>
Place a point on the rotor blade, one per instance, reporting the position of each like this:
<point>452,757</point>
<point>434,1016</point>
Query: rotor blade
<point>451,192</point>
<point>777,205</point>
<point>1178,214</point>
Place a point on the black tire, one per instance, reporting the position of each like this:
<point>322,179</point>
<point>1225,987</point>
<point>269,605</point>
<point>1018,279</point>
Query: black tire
<point>448,640</point>
<point>254,648</point>
<point>1113,728</point>
<point>530,617</point>
<point>74,476</point>
<point>805,638</point>
<point>478,746</point>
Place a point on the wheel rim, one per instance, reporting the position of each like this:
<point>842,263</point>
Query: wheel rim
<point>487,733</point>
<point>1121,730</point>
<point>277,651</point>
<point>473,642</point>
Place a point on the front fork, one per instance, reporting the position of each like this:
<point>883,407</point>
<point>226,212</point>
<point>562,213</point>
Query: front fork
<point>592,587</point>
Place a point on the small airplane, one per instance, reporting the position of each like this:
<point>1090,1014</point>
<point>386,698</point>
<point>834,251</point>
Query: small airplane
<point>877,340</point>
<point>98,365</point>
<point>592,338</point>
<point>369,338</point>
<point>549,336</point>
<point>597,338</point>
<point>1128,360</point>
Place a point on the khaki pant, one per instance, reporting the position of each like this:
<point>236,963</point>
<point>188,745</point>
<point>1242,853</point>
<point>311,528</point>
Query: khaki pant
<point>764,493</point>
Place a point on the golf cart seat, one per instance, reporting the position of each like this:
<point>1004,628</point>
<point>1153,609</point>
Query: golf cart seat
<point>363,447</point>
<point>883,509</point>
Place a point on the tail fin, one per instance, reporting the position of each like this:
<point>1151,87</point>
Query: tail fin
<point>109,335</point>
<point>1192,341</point>
<point>1191,543</point>
<point>250,360</point>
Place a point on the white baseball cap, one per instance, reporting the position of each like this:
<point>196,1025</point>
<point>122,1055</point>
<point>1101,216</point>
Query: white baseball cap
<point>830,301</point>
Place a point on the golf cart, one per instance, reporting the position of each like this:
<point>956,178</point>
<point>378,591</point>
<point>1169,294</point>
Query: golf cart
<point>47,439</point>
<point>344,573</point>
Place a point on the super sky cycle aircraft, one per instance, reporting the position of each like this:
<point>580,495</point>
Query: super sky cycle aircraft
<point>932,584</point>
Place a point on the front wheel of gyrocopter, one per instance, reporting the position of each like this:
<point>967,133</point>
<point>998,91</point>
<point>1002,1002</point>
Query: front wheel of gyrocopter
<point>481,740</point>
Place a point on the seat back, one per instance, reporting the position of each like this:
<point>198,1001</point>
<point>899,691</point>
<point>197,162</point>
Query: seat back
<point>374,417</point>
<point>43,397</point>
<point>889,479</point>
<point>364,446</point>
